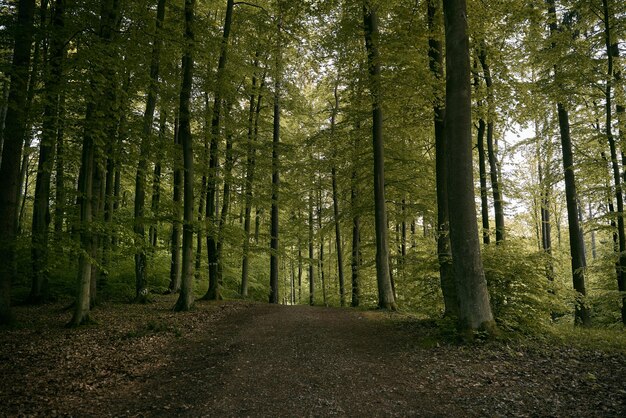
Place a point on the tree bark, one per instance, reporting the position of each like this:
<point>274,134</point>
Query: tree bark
<point>311,254</point>
<point>355,261</point>
<point>213,292</point>
<point>582,314</point>
<point>446,272</point>
<point>90,190</point>
<point>342,290</point>
<point>41,205</point>
<point>385,292</point>
<point>228,168</point>
<point>613,75</point>
<point>12,152</point>
<point>175,266</point>
<point>484,204</point>
<point>60,198</point>
<point>156,179</point>
<point>274,231</point>
<point>141,246</point>
<point>253,127</point>
<point>498,205</point>
<point>474,308</point>
<point>185,299</point>
<point>274,223</point>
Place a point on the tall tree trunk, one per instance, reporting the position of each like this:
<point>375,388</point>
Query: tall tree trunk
<point>213,292</point>
<point>185,299</point>
<point>98,118</point>
<point>141,246</point>
<point>228,168</point>
<point>40,56</point>
<point>484,204</point>
<point>311,254</point>
<point>12,152</point>
<point>274,224</point>
<point>612,50</point>
<point>3,112</point>
<point>175,267</point>
<point>474,308</point>
<point>41,205</point>
<point>60,198</point>
<point>446,273</point>
<point>156,179</point>
<point>498,205</point>
<point>545,190</point>
<point>355,261</point>
<point>253,126</point>
<point>203,186</point>
<point>342,290</point>
<point>383,279</point>
<point>577,251</point>
<point>320,264</point>
<point>299,270</point>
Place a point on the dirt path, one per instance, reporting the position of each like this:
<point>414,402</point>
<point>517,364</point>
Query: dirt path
<point>237,359</point>
<point>302,361</point>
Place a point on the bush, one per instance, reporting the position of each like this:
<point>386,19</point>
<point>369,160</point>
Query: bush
<point>522,296</point>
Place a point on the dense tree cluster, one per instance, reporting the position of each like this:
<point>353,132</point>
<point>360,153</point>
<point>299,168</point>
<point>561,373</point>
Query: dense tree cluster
<point>266,148</point>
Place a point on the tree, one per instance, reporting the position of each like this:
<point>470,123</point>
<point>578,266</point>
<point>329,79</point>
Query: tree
<point>386,298</point>
<point>474,308</point>
<point>435,56</point>
<point>12,151</point>
<point>577,250</point>
<point>614,76</point>
<point>213,292</point>
<point>493,164</point>
<point>256,97</point>
<point>141,258</point>
<point>97,117</point>
<point>41,205</point>
<point>185,299</point>
<point>342,290</point>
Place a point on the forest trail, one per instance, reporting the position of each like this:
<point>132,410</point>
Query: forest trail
<point>260,360</point>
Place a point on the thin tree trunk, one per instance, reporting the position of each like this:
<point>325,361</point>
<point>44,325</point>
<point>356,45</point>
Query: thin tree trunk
<point>3,113</point>
<point>474,308</point>
<point>213,292</point>
<point>141,246</point>
<point>577,252</point>
<point>311,254</point>
<point>385,292</point>
<point>299,270</point>
<point>99,114</point>
<point>185,299</point>
<point>175,266</point>
<point>612,50</point>
<point>274,224</point>
<point>342,290</point>
<point>203,187</point>
<point>41,205</point>
<point>355,261</point>
<point>484,204</point>
<point>60,198</point>
<point>444,255</point>
<point>228,168</point>
<point>321,251</point>
<point>493,163</point>
<point>156,179</point>
<point>253,127</point>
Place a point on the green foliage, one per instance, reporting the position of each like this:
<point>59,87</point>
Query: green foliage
<point>522,297</point>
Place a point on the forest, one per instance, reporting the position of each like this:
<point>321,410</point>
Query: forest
<point>428,193</point>
<point>452,159</point>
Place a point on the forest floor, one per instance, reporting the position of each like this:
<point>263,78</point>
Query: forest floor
<point>252,359</point>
